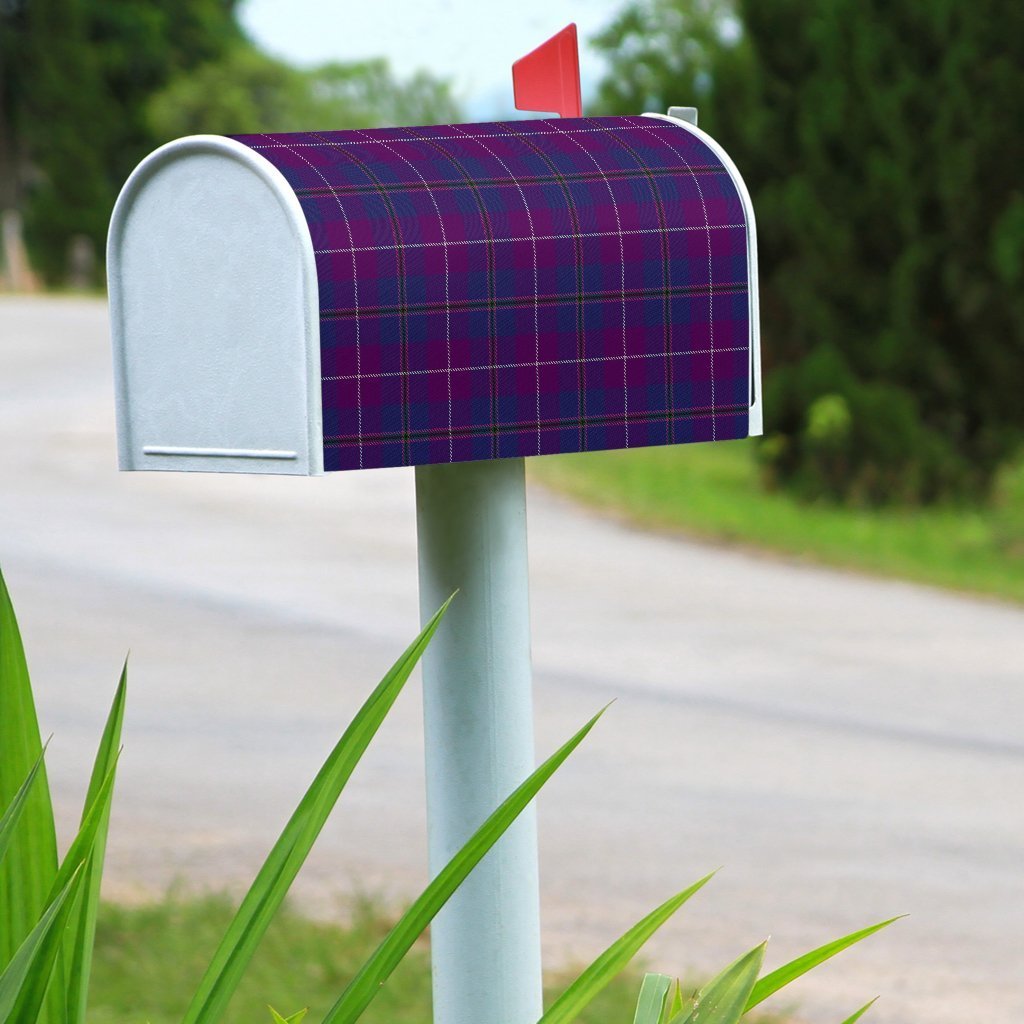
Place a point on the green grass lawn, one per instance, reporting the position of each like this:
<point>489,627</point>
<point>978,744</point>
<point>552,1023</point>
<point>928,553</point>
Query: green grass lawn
<point>150,958</point>
<point>713,491</point>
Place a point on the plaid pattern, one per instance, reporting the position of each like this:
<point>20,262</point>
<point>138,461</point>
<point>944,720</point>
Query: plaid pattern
<point>522,288</point>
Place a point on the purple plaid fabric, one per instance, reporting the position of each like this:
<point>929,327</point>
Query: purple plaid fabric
<point>522,288</point>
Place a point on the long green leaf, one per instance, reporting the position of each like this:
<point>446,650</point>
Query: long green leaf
<point>295,1018</point>
<point>13,813</point>
<point>782,976</point>
<point>854,1017</point>
<point>372,975</point>
<point>282,864</point>
<point>84,843</point>
<point>675,1006</point>
<point>82,930</point>
<point>30,968</point>
<point>572,1001</point>
<point>723,999</point>
<point>30,866</point>
<point>73,865</point>
<point>651,1004</point>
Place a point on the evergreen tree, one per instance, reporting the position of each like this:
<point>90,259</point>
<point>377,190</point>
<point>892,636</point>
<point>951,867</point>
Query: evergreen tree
<point>881,143</point>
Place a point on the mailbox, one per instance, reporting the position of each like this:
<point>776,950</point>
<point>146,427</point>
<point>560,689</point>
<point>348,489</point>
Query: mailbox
<point>453,297</point>
<point>296,303</point>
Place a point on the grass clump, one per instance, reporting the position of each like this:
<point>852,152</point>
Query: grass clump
<point>149,958</point>
<point>714,491</point>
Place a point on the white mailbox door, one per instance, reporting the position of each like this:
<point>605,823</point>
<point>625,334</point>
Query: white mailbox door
<point>215,316</point>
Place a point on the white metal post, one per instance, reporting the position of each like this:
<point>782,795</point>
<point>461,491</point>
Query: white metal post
<point>478,711</point>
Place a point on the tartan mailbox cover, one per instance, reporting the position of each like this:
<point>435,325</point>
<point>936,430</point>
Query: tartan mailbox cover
<point>356,299</point>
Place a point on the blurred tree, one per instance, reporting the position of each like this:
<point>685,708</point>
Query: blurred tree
<point>248,91</point>
<point>88,87</point>
<point>245,90</point>
<point>880,141</point>
<point>75,76</point>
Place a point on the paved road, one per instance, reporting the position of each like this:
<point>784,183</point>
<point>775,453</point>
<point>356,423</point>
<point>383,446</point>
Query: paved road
<point>846,748</point>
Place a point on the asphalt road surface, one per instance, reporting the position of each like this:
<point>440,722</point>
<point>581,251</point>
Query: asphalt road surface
<point>846,748</point>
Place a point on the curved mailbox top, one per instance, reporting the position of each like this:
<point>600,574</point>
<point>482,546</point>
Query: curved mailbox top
<point>452,293</point>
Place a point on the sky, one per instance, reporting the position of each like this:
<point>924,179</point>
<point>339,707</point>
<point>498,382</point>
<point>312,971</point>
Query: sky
<point>471,42</point>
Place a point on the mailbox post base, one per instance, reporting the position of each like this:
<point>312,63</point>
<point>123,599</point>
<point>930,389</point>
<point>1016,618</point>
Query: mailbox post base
<point>478,719</point>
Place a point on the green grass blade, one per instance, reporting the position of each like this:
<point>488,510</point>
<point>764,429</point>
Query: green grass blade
<point>24,981</point>
<point>73,866</point>
<point>295,1018</point>
<point>28,870</point>
<point>282,864</point>
<point>853,1018</point>
<point>782,976</point>
<point>11,816</point>
<point>651,1004</point>
<point>83,845</point>
<point>82,930</point>
<point>723,1000</point>
<point>675,1006</point>
<point>572,1001</point>
<point>372,975</point>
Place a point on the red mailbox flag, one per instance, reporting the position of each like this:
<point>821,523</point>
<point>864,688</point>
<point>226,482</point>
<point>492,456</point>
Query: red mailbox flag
<point>548,78</point>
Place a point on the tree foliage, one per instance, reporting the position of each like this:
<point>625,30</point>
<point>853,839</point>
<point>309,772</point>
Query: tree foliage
<point>88,87</point>
<point>879,143</point>
<point>249,91</point>
<point>76,76</point>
